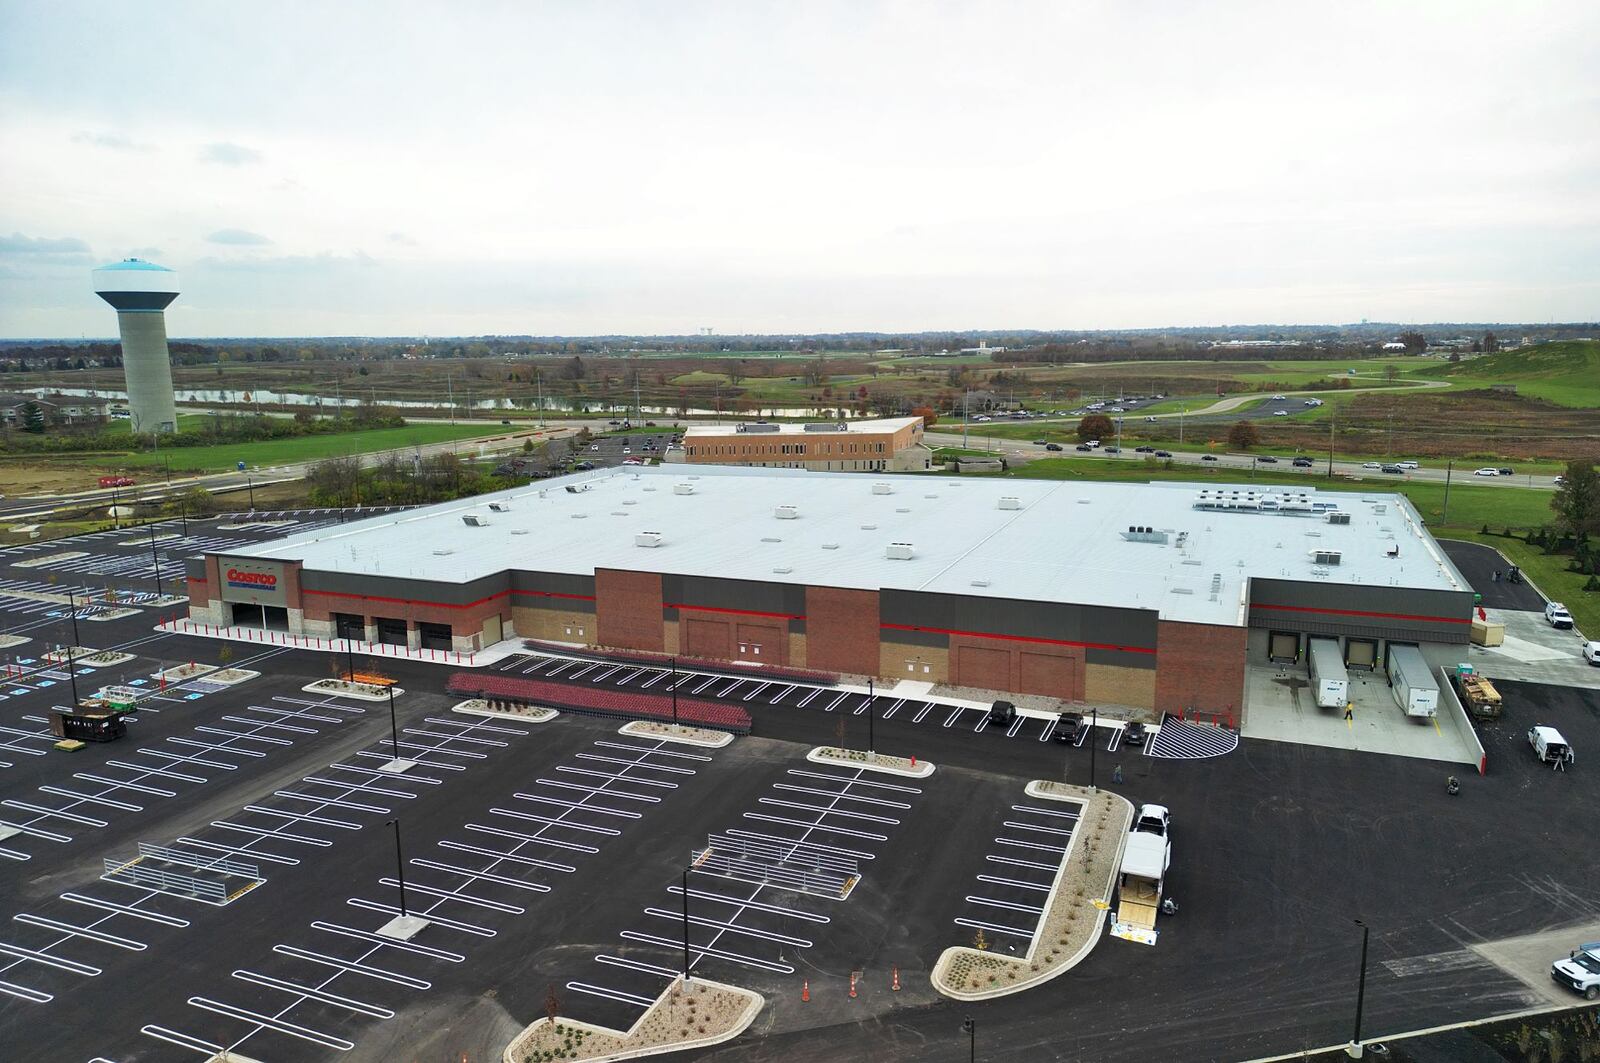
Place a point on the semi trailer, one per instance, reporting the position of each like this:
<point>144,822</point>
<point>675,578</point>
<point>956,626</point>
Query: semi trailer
<point>1330,683</point>
<point>1411,681</point>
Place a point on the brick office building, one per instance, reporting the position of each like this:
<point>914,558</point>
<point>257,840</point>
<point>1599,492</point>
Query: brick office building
<point>890,444</point>
<point>1148,595</point>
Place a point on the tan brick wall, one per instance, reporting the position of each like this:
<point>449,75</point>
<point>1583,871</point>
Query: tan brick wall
<point>671,636</point>
<point>797,649</point>
<point>894,657</point>
<point>536,622</point>
<point>628,609</point>
<point>1116,685</point>
<point>1199,666</point>
<point>842,630</point>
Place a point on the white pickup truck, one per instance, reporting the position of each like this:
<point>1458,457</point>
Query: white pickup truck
<point>1145,858</point>
<point>1557,614</point>
<point>1580,971</point>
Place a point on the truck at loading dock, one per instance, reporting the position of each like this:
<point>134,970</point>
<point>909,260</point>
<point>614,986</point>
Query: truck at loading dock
<point>1329,681</point>
<point>1411,681</point>
<point>1145,858</point>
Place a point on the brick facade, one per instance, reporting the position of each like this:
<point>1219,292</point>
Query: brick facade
<point>1199,666</point>
<point>842,630</point>
<point>1017,665</point>
<point>628,610</point>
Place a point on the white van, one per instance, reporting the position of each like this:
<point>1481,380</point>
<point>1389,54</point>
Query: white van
<point>1549,746</point>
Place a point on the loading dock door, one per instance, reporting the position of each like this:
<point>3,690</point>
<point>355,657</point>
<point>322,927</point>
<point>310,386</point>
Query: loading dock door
<point>350,626</point>
<point>1283,646</point>
<point>390,631</point>
<point>1361,653</point>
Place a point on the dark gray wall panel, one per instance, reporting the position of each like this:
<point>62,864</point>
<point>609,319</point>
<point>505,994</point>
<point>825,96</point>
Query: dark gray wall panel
<point>1105,625</point>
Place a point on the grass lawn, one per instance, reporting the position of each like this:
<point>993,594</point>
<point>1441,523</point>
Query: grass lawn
<point>1470,507</point>
<point>1549,571</point>
<point>302,448</point>
<point>1565,373</point>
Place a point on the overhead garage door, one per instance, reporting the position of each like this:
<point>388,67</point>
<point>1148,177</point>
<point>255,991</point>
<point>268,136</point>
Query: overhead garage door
<point>1361,653</point>
<point>1283,646</point>
<point>1046,673</point>
<point>709,638</point>
<point>983,668</point>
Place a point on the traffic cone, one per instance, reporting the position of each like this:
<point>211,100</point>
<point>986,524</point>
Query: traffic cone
<point>895,985</point>
<point>805,992</point>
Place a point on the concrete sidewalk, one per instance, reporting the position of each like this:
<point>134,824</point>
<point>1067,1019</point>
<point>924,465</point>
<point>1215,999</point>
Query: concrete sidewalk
<point>264,637</point>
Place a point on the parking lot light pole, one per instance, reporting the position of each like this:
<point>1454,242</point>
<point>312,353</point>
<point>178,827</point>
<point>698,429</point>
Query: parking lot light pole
<point>871,712</point>
<point>399,866</point>
<point>971,1030</point>
<point>394,729</point>
<point>1354,1049</point>
<point>686,975</point>
<point>155,559</point>
<point>675,714</point>
<point>1094,722</point>
<point>72,611</point>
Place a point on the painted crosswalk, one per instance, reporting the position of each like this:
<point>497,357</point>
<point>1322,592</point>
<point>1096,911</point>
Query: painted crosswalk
<point>1177,740</point>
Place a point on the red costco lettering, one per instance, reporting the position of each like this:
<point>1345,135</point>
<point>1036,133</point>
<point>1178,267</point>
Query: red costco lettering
<point>252,579</point>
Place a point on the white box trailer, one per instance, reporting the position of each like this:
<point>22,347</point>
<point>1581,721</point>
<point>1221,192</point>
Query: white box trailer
<point>1329,680</point>
<point>1412,682</point>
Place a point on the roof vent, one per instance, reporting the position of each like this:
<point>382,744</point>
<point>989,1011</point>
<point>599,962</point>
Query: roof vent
<point>902,509</point>
<point>1338,518</point>
<point>1325,557</point>
<point>1137,533</point>
<point>632,501</point>
<point>782,569</point>
<point>500,507</point>
<point>647,538</point>
<point>771,539</point>
<point>980,583</point>
<point>869,527</point>
<point>519,531</point>
<point>882,489</point>
<point>930,496</point>
<point>683,489</point>
<point>1010,502</point>
<point>443,553</point>
<point>786,513</point>
<point>472,520</point>
<point>899,552</point>
<point>830,546</point>
<point>579,516</point>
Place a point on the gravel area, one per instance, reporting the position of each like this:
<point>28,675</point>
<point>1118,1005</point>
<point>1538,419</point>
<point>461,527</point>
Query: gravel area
<point>693,736</point>
<point>701,1014</point>
<point>860,758</point>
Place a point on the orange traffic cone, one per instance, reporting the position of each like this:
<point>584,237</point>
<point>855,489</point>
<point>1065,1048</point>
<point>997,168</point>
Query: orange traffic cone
<point>805,992</point>
<point>895,985</point>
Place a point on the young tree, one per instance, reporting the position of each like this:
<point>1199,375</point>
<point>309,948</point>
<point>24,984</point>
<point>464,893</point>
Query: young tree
<point>929,418</point>
<point>1096,426</point>
<point>32,417</point>
<point>1577,500</point>
<point>1243,435</point>
<point>1415,341</point>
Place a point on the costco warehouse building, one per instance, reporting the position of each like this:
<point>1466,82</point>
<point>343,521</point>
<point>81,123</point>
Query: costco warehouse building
<point>1156,596</point>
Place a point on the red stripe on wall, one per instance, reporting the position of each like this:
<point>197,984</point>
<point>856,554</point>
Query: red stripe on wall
<point>735,612</point>
<point>1017,638</point>
<point>554,594</point>
<point>1363,612</point>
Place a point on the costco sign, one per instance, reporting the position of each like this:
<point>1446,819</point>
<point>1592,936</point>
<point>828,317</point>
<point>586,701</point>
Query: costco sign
<point>253,582</point>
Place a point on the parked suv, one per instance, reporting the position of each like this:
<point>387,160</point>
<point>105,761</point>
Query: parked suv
<point>1001,713</point>
<point>1580,971</point>
<point>1067,727</point>
<point>1557,615</point>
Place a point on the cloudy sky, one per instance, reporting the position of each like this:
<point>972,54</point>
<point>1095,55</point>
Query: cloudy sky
<point>576,168</point>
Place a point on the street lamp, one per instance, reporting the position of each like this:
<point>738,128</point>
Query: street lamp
<point>675,713</point>
<point>686,925</point>
<point>394,734</point>
<point>155,559</point>
<point>72,611</point>
<point>1354,1049</point>
<point>399,866</point>
<point>1094,722</point>
<point>971,1029</point>
<point>250,481</point>
<point>871,712</point>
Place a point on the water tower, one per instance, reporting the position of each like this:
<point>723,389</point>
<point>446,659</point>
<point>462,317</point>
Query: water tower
<point>140,292</point>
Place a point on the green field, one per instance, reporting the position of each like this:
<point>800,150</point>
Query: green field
<point>302,448</point>
<point>1565,373</point>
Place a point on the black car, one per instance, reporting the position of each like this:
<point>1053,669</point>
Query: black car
<point>1068,726</point>
<point>1002,713</point>
<point>1301,463</point>
<point>1112,450</point>
<point>1040,442</point>
<point>1133,734</point>
<point>1052,446</point>
<point>1395,469</point>
<point>1507,472</point>
<point>1163,453</point>
<point>613,422</point>
<point>1144,450</point>
<point>1086,448</point>
<point>1267,459</point>
<point>1208,457</point>
<point>583,466</point>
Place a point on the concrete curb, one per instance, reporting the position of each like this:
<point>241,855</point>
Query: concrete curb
<point>331,687</point>
<point>474,707</point>
<point>240,675</point>
<point>1036,789</point>
<point>689,736</point>
<point>753,1004</point>
<point>821,755</point>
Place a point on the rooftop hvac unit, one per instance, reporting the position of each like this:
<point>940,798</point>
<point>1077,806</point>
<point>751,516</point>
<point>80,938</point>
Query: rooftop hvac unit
<point>1144,534</point>
<point>472,520</point>
<point>500,507</point>
<point>882,489</point>
<point>899,552</point>
<point>647,538</point>
<point>1338,518</point>
<point>786,512</point>
<point>1325,557</point>
<point>1010,502</point>
<point>827,426</point>
<point>759,426</point>
<point>683,489</point>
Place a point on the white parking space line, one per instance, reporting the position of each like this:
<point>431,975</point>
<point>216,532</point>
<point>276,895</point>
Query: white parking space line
<point>203,729</point>
<point>76,931</point>
<point>830,706</point>
<point>803,702</point>
<point>301,817</point>
<point>585,670</point>
<point>996,880</point>
<point>708,950</point>
<point>1031,909</point>
<point>1016,725</point>
<point>360,787</point>
<point>847,831</point>
<point>425,780</point>
<point>654,752</point>
<point>867,816</point>
<point>653,680</point>
<point>254,854</point>
<point>58,791</point>
<point>658,783</point>
<point>33,996</point>
<point>732,928</point>
<point>1015,825</point>
<point>619,760</point>
<point>354,806</point>
<point>215,749</point>
<point>609,671</point>
<point>528,861</point>
<point>123,909</point>
<point>303,1033</point>
<point>46,960</point>
<point>1031,845</point>
<point>434,918</point>
<point>320,995</point>
<point>955,714</point>
<point>459,898</point>
<point>576,847</point>
<point>222,824</point>
<point>610,832</point>
<point>1044,812</point>
<point>801,845</point>
<point>879,801</point>
<point>756,691</point>
<point>996,928</point>
<point>590,789</point>
<point>637,965</point>
<point>897,787</point>
<point>352,967</point>
<point>147,770</point>
<point>611,994</point>
<point>472,739</point>
<point>52,813</point>
<point>378,939</point>
<point>563,803</point>
<point>481,876</point>
<point>697,893</point>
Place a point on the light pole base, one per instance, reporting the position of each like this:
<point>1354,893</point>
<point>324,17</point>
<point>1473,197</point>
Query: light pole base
<point>403,927</point>
<point>397,766</point>
<point>1354,1050</point>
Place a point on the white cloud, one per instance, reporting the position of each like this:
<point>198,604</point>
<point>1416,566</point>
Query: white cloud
<point>226,154</point>
<point>237,237</point>
<point>17,244</point>
<point>112,141</point>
